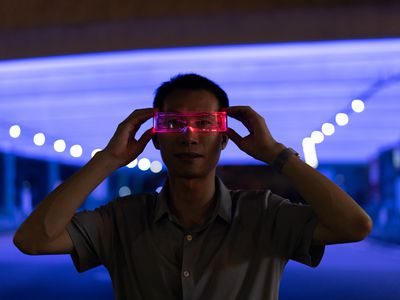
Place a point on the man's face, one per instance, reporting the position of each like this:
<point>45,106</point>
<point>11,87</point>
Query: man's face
<point>207,144</point>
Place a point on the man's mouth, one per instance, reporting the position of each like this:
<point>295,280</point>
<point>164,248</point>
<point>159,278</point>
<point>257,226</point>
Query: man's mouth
<point>188,155</point>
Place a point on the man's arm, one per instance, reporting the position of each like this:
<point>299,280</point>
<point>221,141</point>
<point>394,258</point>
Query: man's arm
<point>45,227</point>
<point>340,218</point>
<point>44,231</point>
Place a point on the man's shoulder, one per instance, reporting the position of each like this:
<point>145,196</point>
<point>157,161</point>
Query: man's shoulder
<point>250,191</point>
<point>134,208</point>
<point>253,194</point>
<point>135,201</point>
<point>257,199</point>
<point>251,198</point>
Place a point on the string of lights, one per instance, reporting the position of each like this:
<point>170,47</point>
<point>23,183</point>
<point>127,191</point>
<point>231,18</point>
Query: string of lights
<point>341,118</point>
<point>40,139</point>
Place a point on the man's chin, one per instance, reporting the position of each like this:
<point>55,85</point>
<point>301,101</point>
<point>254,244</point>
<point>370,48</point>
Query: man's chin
<point>188,173</point>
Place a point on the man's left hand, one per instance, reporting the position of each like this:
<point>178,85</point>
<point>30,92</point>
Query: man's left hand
<point>259,143</point>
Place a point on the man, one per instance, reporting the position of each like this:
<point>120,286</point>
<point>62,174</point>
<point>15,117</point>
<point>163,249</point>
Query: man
<point>195,239</point>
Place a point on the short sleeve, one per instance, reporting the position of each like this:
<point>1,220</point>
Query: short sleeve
<point>293,225</point>
<point>91,233</point>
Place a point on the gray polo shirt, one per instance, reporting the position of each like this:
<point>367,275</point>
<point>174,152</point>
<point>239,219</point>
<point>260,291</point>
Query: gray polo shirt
<point>239,252</point>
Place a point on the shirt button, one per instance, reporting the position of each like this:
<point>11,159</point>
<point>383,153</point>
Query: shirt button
<point>189,237</point>
<point>186,274</point>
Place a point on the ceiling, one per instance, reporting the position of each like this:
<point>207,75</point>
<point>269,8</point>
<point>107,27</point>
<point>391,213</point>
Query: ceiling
<point>296,87</point>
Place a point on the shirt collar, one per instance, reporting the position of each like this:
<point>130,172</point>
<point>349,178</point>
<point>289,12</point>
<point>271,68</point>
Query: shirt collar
<point>223,207</point>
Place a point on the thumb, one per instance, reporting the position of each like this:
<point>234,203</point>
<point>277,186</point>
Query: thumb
<point>234,136</point>
<point>145,138</point>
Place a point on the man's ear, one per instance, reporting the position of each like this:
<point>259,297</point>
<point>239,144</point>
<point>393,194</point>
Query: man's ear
<point>224,141</point>
<point>156,143</point>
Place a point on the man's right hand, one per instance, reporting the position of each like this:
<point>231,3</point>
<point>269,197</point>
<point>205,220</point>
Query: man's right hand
<point>123,146</point>
<point>44,231</point>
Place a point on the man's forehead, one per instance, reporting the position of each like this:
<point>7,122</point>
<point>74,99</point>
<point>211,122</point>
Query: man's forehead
<point>191,100</point>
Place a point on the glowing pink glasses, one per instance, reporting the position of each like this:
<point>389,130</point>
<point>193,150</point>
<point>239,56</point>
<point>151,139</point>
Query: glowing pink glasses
<point>165,122</point>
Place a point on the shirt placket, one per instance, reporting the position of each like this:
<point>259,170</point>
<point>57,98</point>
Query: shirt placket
<point>188,265</point>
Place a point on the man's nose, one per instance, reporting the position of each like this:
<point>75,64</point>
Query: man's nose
<point>188,129</point>
<point>189,135</point>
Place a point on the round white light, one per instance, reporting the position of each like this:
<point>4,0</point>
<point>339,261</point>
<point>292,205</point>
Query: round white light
<point>310,154</point>
<point>144,164</point>
<point>317,137</point>
<point>15,131</point>
<point>95,151</point>
<point>357,105</point>
<point>341,119</point>
<point>39,139</point>
<point>156,166</point>
<point>59,145</point>
<point>124,191</point>
<point>132,164</point>
<point>328,129</point>
<point>76,151</point>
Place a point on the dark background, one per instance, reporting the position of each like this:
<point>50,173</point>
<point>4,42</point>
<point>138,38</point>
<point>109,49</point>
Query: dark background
<point>42,28</point>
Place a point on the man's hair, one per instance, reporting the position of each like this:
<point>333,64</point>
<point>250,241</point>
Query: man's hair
<point>189,81</point>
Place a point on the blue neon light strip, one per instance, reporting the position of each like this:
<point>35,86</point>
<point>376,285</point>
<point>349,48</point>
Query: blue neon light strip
<point>295,86</point>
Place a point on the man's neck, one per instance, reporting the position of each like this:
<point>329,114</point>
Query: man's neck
<point>192,200</point>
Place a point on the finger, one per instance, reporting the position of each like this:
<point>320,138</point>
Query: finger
<point>145,138</point>
<point>137,118</point>
<point>234,136</point>
<point>141,115</point>
<point>242,114</point>
<point>238,112</point>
